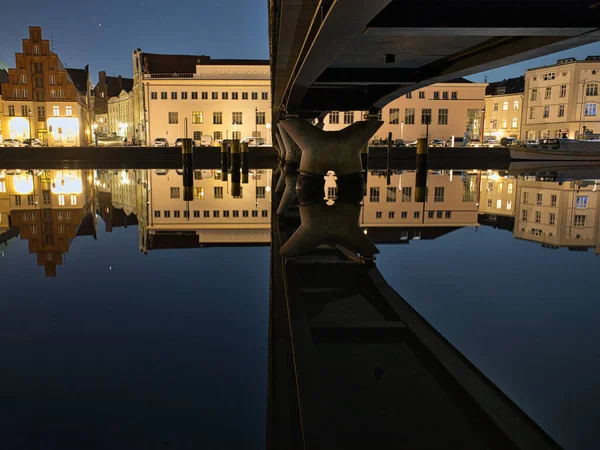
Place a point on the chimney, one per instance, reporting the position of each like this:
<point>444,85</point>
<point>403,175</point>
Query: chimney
<point>87,68</point>
<point>120,83</point>
<point>102,77</point>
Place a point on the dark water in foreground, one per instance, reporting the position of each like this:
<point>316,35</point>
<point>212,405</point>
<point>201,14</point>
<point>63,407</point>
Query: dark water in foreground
<point>119,330</point>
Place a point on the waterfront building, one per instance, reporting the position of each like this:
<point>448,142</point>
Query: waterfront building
<point>503,108</point>
<point>43,99</point>
<point>452,109</point>
<point>175,94</point>
<point>114,91</point>
<point>562,99</point>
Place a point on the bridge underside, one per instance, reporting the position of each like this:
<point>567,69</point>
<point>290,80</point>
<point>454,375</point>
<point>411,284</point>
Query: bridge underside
<point>358,55</point>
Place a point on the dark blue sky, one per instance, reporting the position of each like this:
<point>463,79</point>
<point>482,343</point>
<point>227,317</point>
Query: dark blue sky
<point>103,34</point>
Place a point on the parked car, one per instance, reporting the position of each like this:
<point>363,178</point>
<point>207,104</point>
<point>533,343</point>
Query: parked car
<point>178,142</point>
<point>12,143</point>
<point>160,142</point>
<point>252,141</point>
<point>459,141</point>
<point>206,140</point>
<point>436,143</point>
<point>399,143</point>
<point>32,143</point>
<point>506,141</point>
<point>160,171</point>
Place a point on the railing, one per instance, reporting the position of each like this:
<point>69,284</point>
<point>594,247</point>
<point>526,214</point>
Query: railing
<point>169,75</point>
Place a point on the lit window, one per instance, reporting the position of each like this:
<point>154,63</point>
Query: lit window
<point>581,202</point>
<point>61,199</point>
<point>73,199</point>
<point>590,109</point>
<point>510,188</point>
<point>505,106</point>
<point>68,111</point>
<point>504,123</point>
<point>61,93</point>
<point>52,81</point>
<point>508,204</point>
<point>56,111</point>
<point>36,49</point>
<point>515,122</point>
<point>197,117</point>
<point>498,204</point>
<point>516,105</point>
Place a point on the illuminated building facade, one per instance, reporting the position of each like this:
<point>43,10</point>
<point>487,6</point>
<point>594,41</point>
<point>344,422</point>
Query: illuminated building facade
<point>120,115</point>
<point>452,108</point>
<point>503,108</point>
<point>42,99</point>
<point>214,217</point>
<point>226,99</point>
<point>50,209</point>
<point>111,105</point>
<point>562,99</point>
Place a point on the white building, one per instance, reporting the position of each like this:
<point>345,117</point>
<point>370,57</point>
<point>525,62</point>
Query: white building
<point>226,99</point>
<point>214,216</point>
<point>452,108</point>
<point>120,115</point>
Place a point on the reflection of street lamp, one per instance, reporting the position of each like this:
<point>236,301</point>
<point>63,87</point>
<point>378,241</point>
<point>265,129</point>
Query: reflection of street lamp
<point>268,125</point>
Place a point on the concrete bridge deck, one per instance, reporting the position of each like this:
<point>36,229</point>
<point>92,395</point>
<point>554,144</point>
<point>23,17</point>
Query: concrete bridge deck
<point>353,366</point>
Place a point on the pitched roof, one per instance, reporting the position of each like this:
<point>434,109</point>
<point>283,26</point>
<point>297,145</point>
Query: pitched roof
<point>3,78</point>
<point>115,87</point>
<point>155,63</point>
<point>458,80</point>
<point>510,86</point>
<point>80,79</point>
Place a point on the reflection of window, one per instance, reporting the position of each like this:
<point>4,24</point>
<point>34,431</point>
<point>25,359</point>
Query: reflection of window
<point>548,93</point>
<point>409,116</point>
<point>515,122</point>
<point>430,214</point>
<point>546,111</point>
<point>260,191</point>
<point>173,117</point>
<point>417,214</point>
<point>407,194</point>
<point>374,195</point>
<point>61,199</point>
<point>496,106</point>
<point>448,214</point>
<point>175,192</point>
<point>498,204</point>
<point>199,193</point>
<point>404,214</point>
<point>539,199</point>
<point>378,214</point>
<point>236,118</point>
<point>334,117</point>
<point>524,215</point>
<point>579,221</point>
<point>394,116</point>
<point>217,118</point>
<point>581,202</point>
<point>533,95</point>
<point>167,214</point>
<point>538,217</point>
<point>264,213</point>
<point>425,116</point>
<point>391,215</point>
<point>391,194</point>
<point>508,204</point>
<point>73,200</point>
<point>489,202</point>
<point>494,124</point>
<point>532,113</point>
<point>348,117</point>
<point>157,214</point>
<point>553,200</point>
<point>551,218</point>
<point>504,123</point>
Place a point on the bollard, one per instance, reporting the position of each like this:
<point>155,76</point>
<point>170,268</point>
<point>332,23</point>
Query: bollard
<point>421,175</point>
<point>187,160</point>
<point>224,161</point>
<point>236,188</point>
<point>245,163</point>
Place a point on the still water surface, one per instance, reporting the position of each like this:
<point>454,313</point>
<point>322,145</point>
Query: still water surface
<point>131,318</point>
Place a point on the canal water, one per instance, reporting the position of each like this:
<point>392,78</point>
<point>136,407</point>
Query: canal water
<point>134,319</point>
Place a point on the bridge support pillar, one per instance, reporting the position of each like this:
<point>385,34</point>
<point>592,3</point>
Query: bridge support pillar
<point>322,151</point>
<point>293,155</point>
<point>280,187</point>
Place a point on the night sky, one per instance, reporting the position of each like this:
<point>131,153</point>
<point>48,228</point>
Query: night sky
<point>103,34</point>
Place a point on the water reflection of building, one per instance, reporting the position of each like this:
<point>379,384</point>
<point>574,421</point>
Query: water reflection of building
<point>553,213</point>
<point>392,214</point>
<point>116,193</point>
<point>50,208</point>
<point>214,217</point>
<point>5,223</point>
